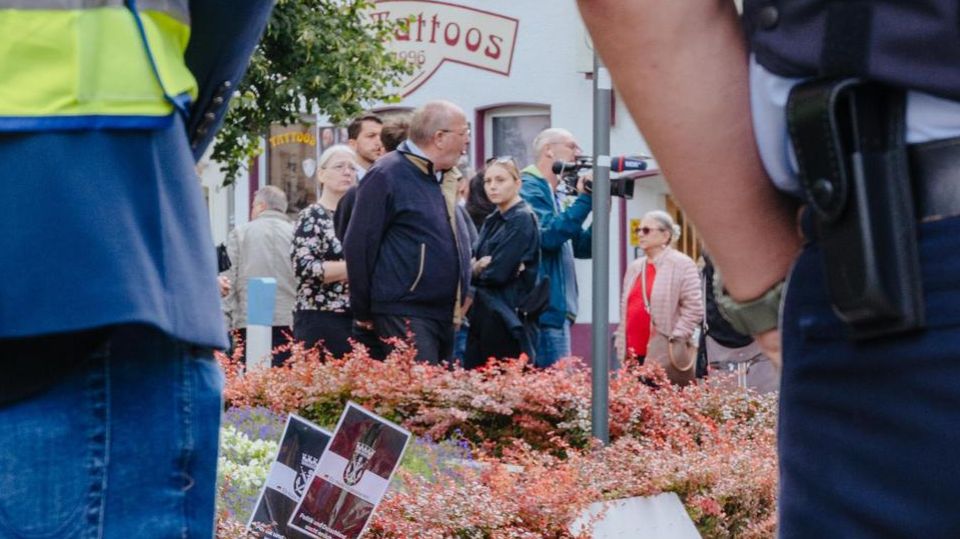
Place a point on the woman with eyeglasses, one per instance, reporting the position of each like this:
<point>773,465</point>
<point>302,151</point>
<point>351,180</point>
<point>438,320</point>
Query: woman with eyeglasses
<point>661,305</point>
<point>506,259</point>
<point>322,312</point>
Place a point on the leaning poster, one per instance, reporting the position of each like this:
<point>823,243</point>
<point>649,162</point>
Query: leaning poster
<point>352,476</point>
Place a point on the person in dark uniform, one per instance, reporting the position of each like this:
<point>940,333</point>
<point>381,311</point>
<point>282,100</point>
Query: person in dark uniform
<point>506,260</point>
<point>850,110</point>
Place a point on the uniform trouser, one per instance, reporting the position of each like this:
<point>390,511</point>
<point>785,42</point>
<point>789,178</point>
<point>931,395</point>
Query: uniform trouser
<point>869,433</point>
<point>123,445</point>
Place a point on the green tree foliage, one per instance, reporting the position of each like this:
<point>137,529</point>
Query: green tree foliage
<point>316,56</point>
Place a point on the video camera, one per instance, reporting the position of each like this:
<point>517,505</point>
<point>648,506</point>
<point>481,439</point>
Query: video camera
<point>619,187</point>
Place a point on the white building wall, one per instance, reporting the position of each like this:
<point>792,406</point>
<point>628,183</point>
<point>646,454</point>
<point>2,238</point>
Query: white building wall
<point>218,198</point>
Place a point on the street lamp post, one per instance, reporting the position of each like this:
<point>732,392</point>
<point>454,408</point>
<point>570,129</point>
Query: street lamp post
<point>599,413</point>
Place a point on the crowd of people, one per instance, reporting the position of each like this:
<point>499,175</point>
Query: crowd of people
<point>109,313</point>
<point>400,244</point>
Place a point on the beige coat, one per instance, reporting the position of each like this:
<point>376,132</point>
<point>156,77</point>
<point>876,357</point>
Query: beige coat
<point>261,248</point>
<point>676,302</point>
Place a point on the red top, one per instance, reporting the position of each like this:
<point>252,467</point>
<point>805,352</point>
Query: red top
<point>638,317</point>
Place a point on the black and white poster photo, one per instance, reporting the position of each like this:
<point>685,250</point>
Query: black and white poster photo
<point>299,453</point>
<point>351,477</point>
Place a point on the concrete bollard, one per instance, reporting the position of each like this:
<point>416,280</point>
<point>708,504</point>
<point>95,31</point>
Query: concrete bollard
<point>261,298</point>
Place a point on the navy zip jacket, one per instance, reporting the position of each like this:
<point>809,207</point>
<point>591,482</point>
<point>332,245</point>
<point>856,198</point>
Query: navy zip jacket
<point>403,257</point>
<point>512,241</point>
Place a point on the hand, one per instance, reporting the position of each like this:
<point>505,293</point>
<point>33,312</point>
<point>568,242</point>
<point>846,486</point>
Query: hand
<point>479,265</point>
<point>366,325</point>
<point>770,344</point>
<point>225,286</point>
<point>582,183</point>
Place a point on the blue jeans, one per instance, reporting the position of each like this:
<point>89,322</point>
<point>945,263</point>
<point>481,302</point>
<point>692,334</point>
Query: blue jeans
<point>554,343</point>
<point>460,344</point>
<point>123,445</point>
<point>868,431</point>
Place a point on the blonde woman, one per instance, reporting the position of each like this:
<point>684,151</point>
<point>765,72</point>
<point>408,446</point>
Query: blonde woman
<point>661,305</point>
<point>322,313</point>
<point>506,261</point>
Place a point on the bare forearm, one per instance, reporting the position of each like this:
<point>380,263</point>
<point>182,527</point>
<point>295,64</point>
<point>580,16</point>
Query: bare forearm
<point>681,67</point>
<point>334,272</point>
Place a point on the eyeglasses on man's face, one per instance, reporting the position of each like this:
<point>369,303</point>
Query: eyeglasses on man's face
<point>569,144</point>
<point>463,133</point>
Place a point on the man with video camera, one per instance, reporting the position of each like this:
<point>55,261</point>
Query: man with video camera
<point>562,237</point>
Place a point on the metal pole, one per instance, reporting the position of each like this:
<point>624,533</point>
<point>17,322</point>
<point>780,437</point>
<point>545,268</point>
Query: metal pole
<point>599,413</point>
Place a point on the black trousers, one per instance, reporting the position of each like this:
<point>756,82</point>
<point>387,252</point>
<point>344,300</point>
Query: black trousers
<point>329,329</point>
<point>433,338</point>
<point>489,338</point>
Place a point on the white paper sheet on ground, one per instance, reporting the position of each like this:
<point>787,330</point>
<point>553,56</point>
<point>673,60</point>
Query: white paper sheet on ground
<point>649,517</point>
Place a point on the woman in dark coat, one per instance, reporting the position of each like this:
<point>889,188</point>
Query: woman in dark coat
<point>506,258</point>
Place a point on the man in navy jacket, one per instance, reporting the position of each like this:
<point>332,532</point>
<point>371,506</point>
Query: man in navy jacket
<point>406,249</point>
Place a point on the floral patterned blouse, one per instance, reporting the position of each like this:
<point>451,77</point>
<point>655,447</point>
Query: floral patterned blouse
<point>314,243</point>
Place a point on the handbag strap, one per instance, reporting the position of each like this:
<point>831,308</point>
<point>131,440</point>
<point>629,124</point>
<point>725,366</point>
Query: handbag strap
<point>643,288</point>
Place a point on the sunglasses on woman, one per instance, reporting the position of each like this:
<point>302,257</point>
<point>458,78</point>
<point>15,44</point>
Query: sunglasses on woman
<point>646,230</point>
<point>501,159</point>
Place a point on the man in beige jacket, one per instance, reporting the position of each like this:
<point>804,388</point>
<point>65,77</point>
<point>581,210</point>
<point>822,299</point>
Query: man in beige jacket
<point>261,248</point>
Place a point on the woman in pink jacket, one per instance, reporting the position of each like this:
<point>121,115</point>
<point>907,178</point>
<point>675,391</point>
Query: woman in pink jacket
<point>661,306</point>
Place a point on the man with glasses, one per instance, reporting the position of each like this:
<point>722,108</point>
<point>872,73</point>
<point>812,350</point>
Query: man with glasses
<point>562,238</point>
<point>407,252</point>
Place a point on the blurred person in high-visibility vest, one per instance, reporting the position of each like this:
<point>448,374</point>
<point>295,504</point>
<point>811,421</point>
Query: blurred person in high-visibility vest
<point>109,310</point>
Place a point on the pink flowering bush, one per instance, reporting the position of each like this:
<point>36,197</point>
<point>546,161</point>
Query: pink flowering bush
<point>532,465</point>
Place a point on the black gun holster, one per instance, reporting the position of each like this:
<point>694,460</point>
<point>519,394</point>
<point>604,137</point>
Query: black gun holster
<point>849,140</point>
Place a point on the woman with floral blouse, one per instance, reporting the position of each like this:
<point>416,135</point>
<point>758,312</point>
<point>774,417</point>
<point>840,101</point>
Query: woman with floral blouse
<point>322,312</point>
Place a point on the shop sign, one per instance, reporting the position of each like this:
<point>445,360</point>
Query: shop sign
<point>292,162</point>
<point>432,33</point>
<point>635,232</point>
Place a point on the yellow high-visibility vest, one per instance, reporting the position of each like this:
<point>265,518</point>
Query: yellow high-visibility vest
<point>89,64</point>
